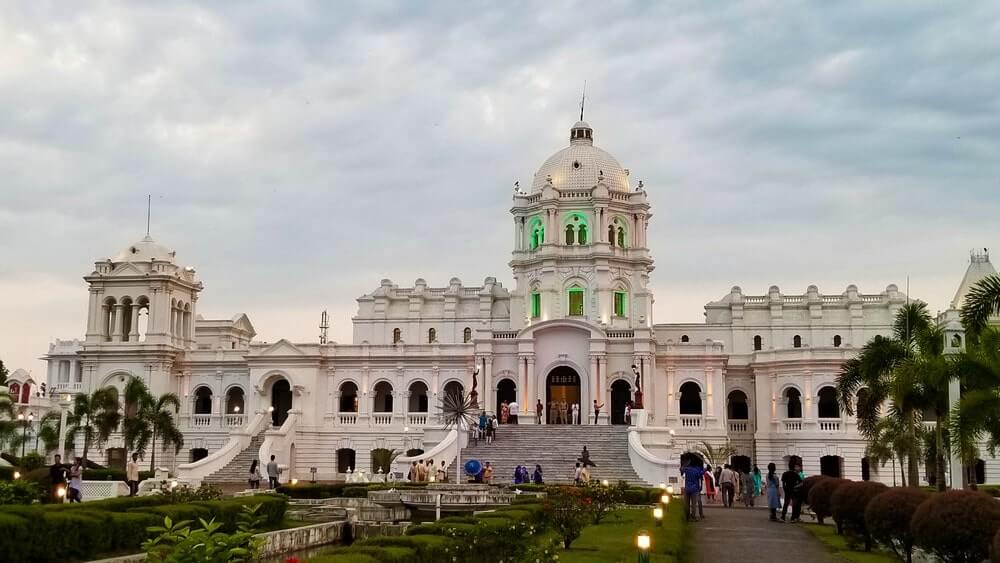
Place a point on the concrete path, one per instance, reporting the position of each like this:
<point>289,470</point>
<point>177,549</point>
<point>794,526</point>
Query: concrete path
<point>747,536</point>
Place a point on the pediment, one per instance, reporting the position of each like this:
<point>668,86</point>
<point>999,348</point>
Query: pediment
<point>242,322</point>
<point>127,269</point>
<point>282,348</point>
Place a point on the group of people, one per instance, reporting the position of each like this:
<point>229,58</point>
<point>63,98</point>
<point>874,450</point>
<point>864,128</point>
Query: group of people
<point>421,472</point>
<point>734,483</point>
<point>487,428</point>
<point>560,412</point>
<point>508,412</point>
<point>273,473</point>
<point>521,475</point>
<point>67,478</point>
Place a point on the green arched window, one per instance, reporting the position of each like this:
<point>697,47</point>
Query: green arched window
<point>536,233</point>
<point>575,296</point>
<point>576,228</point>
<point>621,303</point>
<point>536,305</point>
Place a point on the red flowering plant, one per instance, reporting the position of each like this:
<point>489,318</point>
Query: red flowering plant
<point>568,510</point>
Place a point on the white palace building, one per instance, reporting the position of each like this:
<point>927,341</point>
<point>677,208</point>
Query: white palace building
<point>759,372</point>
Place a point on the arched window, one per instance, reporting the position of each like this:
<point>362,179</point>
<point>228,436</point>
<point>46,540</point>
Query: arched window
<point>108,318</point>
<point>234,401</point>
<point>397,335</point>
<point>611,234</point>
<point>569,234</point>
<point>203,400</point>
<point>828,406</point>
<point>455,389</point>
<point>758,342</point>
<point>418,397</point>
<point>796,341</point>
<point>142,325</point>
<point>575,297</point>
<point>956,341</point>
<point>736,407</point>
<point>684,338</point>
<point>431,336</point>
<point>690,400</point>
<point>467,335</point>
<point>621,237</point>
<point>621,304</point>
<point>836,341</point>
<point>15,391</point>
<point>536,305</point>
<point>794,403</point>
<point>581,234</point>
<point>536,233</point>
<point>345,460</point>
<point>126,313</point>
<point>382,397</point>
<point>348,397</point>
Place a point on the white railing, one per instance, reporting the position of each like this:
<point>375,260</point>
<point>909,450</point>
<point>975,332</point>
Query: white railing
<point>739,427</point>
<point>416,419</point>
<point>66,386</point>
<point>201,420</point>
<point>446,450</point>
<point>348,419</point>
<point>97,490</point>
<point>278,442</point>
<point>648,467</point>
<point>235,420</point>
<point>239,439</point>
<point>690,420</point>
<point>381,419</point>
<point>793,426</point>
<point>829,426</point>
<point>504,334</point>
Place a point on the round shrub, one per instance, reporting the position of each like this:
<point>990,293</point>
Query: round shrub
<point>819,496</point>
<point>957,526</point>
<point>888,518</point>
<point>848,504</point>
<point>802,491</point>
<point>995,558</point>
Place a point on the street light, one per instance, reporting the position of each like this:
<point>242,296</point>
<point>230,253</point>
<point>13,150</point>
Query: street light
<point>663,486</point>
<point>665,499</point>
<point>670,489</point>
<point>658,516</point>
<point>17,475</point>
<point>643,542</point>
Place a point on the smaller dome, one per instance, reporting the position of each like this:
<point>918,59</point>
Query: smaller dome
<point>144,251</point>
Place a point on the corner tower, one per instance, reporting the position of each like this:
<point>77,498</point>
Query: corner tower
<point>580,241</point>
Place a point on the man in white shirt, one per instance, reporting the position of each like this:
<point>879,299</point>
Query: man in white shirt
<point>132,475</point>
<point>513,406</point>
<point>576,413</point>
<point>727,482</point>
<point>273,471</point>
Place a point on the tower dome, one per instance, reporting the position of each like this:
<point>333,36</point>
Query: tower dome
<point>581,165</point>
<point>145,250</point>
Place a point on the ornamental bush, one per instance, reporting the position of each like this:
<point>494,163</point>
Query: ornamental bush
<point>995,556</point>
<point>957,526</point>
<point>802,491</point>
<point>819,496</point>
<point>888,517</point>
<point>19,491</point>
<point>848,504</point>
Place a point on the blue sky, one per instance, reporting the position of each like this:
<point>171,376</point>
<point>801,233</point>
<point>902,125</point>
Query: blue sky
<point>298,152</point>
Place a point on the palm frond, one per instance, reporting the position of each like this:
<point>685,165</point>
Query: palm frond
<point>981,302</point>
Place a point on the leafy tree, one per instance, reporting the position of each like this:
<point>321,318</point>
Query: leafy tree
<point>147,418</point>
<point>48,430</point>
<point>981,302</point>
<point>95,416</point>
<point>976,417</point>
<point>715,455</point>
<point>8,428</point>
<point>567,511</point>
<point>3,373</point>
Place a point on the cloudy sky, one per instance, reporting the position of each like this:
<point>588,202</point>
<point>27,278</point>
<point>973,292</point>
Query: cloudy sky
<point>298,152</point>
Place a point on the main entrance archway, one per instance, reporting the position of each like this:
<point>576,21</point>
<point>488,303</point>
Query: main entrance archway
<point>621,394</point>
<point>281,401</point>
<point>562,391</point>
<point>506,391</point>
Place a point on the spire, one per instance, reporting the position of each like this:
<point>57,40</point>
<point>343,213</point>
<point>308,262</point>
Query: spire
<point>149,206</point>
<point>583,99</point>
<point>979,268</point>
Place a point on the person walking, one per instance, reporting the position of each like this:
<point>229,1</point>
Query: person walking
<point>442,474</point>
<point>789,480</point>
<point>536,477</point>
<point>57,479</point>
<point>727,482</point>
<point>539,409</point>
<point>773,499</point>
<point>513,406</point>
<point>628,413</point>
<point>504,412</point>
<point>693,477</point>
<point>273,471</point>
<point>75,492</point>
<point>517,475</point>
<point>483,421</point>
<point>597,410</point>
<point>709,484</point>
<point>576,413</point>
<point>491,430</point>
<point>254,478</point>
<point>747,488</point>
<point>584,475</point>
<point>756,481</point>
<point>132,475</point>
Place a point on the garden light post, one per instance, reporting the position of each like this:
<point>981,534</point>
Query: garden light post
<point>643,543</point>
<point>658,516</point>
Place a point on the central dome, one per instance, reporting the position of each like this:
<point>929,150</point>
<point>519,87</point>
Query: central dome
<point>578,166</point>
<point>145,250</point>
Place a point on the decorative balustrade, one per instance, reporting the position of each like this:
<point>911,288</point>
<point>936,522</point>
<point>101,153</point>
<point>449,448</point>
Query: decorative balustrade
<point>234,420</point>
<point>829,426</point>
<point>690,421</point>
<point>417,419</point>
<point>739,427</point>
<point>621,333</point>
<point>201,420</point>
<point>67,387</point>
<point>381,419</point>
<point>504,334</point>
<point>348,418</point>
<point>618,195</point>
<point>793,426</point>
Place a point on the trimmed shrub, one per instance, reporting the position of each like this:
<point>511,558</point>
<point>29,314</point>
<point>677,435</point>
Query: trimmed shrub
<point>350,556</point>
<point>16,537</point>
<point>7,472</point>
<point>118,504</point>
<point>19,491</point>
<point>355,492</point>
<point>848,504</point>
<point>888,518</point>
<point>428,548</point>
<point>957,526</point>
<point>176,512</point>
<point>995,558</point>
<point>370,553</point>
<point>819,497</point>
<point>635,496</point>
<point>802,491</point>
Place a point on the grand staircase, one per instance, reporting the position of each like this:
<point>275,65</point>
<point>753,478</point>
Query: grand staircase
<point>556,448</point>
<point>238,469</point>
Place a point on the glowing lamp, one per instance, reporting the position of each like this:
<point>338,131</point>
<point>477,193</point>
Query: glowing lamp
<point>236,409</point>
<point>604,482</point>
<point>670,489</point>
<point>61,492</point>
<point>173,484</point>
<point>642,541</point>
<point>658,515</point>
<point>20,416</point>
<point>663,486</point>
<point>17,474</point>
<point>431,478</point>
<point>270,408</point>
<point>295,481</point>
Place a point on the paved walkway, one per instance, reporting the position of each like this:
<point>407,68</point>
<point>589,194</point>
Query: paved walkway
<point>746,536</point>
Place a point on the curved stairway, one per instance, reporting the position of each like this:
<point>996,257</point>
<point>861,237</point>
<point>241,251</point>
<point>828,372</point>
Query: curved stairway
<point>238,469</point>
<point>556,448</point>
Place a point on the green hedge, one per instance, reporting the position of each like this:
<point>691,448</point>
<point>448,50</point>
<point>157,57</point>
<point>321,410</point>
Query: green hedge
<point>336,490</point>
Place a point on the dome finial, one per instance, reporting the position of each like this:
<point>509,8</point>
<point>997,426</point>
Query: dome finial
<point>583,99</point>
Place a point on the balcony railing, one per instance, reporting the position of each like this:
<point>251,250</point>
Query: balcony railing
<point>829,426</point>
<point>417,419</point>
<point>68,387</point>
<point>690,420</point>
<point>739,427</point>
<point>381,419</point>
<point>201,420</point>
<point>793,426</point>
<point>234,420</point>
<point>348,418</point>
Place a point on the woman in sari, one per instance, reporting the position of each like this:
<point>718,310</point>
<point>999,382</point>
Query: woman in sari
<point>504,413</point>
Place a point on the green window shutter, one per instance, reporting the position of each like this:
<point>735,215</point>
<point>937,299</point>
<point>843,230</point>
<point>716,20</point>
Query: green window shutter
<point>536,305</point>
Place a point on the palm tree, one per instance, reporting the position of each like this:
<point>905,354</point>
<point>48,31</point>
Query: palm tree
<point>95,416</point>
<point>892,443</point>
<point>977,415</point>
<point>8,428</point>
<point>715,455</point>
<point>981,302</point>
<point>147,418</point>
<point>48,430</point>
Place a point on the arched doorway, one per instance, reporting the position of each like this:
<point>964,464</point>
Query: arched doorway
<point>506,391</point>
<point>345,460</point>
<point>348,397</point>
<point>198,454</point>
<point>690,398</point>
<point>736,406</point>
<point>831,465</point>
<point>418,397</point>
<point>741,463</point>
<point>203,400</point>
<point>382,397</point>
<point>562,391</point>
<point>281,400</point>
<point>621,394</point>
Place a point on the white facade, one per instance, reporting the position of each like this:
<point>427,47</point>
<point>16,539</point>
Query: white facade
<point>579,316</point>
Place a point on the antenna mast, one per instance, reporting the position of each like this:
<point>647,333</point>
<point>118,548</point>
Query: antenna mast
<point>324,325</point>
<point>149,205</point>
<point>583,99</point>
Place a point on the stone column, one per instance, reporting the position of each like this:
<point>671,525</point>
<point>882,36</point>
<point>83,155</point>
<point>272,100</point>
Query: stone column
<point>709,403</point>
<point>671,404</point>
<point>74,375</point>
<point>330,400</point>
<point>532,387</point>
<point>522,375</point>
<point>116,332</point>
<point>133,333</point>
<point>93,322</point>
<point>488,385</point>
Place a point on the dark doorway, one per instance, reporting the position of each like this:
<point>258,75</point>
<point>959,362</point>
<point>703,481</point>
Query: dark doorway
<point>621,394</point>
<point>866,469</point>
<point>690,400</point>
<point>116,458</point>
<point>506,391</point>
<point>562,391</point>
<point>345,460</point>
<point>830,465</point>
<point>198,454</point>
<point>348,397</point>
<point>741,463</point>
<point>980,472</point>
<point>281,400</point>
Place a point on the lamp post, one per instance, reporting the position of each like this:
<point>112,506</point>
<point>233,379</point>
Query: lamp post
<point>658,516</point>
<point>643,543</point>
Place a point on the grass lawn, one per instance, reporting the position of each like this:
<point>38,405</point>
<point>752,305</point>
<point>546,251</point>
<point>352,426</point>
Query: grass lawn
<point>837,544</point>
<point>613,540</point>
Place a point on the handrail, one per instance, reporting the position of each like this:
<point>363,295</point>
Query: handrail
<point>446,450</point>
<point>275,439</point>
<point>648,467</point>
<point>238,440</point>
